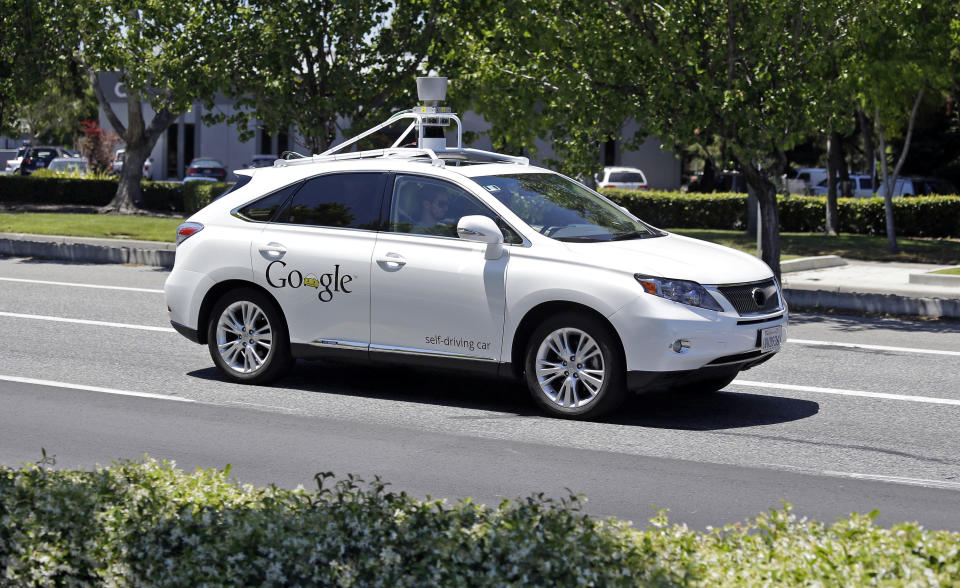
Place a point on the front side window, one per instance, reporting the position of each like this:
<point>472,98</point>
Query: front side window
<point>338,200</point>
<point>563,209</point>
<point>426,206</point>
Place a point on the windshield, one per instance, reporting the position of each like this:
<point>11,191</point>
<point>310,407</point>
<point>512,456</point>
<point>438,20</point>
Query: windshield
<point>563,209</point>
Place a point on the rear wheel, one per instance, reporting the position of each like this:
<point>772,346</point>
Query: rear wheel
<point>574,366</point>
<point>247,337</point>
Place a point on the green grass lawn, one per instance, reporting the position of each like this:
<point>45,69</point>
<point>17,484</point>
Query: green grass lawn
<point>107,226</point>
<point>950,271</point>
<point>940,251</point>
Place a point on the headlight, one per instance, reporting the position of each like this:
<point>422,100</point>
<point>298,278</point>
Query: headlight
<point>682,291</point>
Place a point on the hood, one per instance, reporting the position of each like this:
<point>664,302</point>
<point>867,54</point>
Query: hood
<point>675,257</point>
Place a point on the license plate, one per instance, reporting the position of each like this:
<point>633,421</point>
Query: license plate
<point>771,339</point>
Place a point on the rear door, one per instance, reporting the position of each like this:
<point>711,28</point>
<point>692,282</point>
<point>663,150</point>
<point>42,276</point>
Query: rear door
<point>315,259</point>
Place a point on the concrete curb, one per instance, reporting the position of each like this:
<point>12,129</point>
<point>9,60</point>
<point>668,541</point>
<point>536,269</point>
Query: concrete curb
<point>936,280</point>
<point>87,250</point>
<point>811,263</point>
<point>872,303</point>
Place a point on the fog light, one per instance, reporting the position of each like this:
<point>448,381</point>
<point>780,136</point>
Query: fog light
<point>679,345</point>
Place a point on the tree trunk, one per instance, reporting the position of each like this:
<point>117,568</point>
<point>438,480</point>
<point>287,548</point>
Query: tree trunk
<point>766,192</point>
<point>834,163</point>
<point>139,141</point>
<point>869,151</point>
<point>890,183</point>
<point>887,190</point>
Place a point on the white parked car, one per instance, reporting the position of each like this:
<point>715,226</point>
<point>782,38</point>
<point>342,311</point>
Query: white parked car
<point>623,178</point>
<point>454,258</point>
<point>861,186</point>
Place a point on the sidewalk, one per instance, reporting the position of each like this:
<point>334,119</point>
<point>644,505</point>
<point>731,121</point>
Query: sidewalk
<point>813,283</point>
<point>871,287</point>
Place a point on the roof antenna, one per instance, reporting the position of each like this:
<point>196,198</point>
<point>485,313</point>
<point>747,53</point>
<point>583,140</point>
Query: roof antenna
<point>432,91</point>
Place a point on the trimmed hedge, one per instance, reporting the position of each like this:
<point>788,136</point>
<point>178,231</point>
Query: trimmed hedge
<point>924,216</point>
<point>196,195</point>
<point>165,196</point>
<point>146,523</point>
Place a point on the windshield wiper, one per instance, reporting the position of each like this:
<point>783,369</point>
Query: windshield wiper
<point>632,235</point>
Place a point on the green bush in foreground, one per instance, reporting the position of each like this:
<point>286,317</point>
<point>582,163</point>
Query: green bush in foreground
<point>147,523</point>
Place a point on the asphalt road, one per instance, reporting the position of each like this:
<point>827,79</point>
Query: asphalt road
<point>854,414</point>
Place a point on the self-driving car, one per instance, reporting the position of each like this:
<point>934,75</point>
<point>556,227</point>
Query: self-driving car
<point>447,257</point>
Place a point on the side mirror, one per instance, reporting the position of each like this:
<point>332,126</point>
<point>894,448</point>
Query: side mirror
<point>482,230</point>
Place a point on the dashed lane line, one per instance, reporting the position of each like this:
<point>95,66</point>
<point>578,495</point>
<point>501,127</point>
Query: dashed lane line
<point>61,319</point>
<point>79,285</point>
<point>842,392</point>
<point>55,384</point>
<point>872,347</point>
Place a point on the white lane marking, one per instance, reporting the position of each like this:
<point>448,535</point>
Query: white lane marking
<point>944,484</point>
<point>842,392</point>
<point>873,347</point>
<point>92,388</point>
<point>78,285</point>
<point>60,319</point>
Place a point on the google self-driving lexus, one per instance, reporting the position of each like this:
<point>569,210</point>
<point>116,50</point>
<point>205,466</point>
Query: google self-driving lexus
<point>450,257</point>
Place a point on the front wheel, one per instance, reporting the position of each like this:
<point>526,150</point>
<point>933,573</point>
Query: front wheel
<point>247,337</point>
<point>574,366</point>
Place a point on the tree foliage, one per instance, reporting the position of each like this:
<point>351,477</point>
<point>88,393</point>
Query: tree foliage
<point>169,54</point>
<point>311,65</point>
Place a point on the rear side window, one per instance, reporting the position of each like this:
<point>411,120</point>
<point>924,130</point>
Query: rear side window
<point>266,208</point>
<point>338,200</point>
<point>627,178</point>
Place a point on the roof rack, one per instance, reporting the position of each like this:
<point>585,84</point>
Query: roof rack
<point>428,120</point>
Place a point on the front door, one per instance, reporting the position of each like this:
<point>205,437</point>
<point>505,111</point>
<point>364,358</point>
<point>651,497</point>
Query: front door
<point>434,295</point>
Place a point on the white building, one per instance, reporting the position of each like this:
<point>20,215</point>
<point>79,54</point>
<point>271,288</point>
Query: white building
<point>189,137</point>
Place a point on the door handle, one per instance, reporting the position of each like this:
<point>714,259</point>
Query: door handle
<point>272,251</point>
<point>391,261</point>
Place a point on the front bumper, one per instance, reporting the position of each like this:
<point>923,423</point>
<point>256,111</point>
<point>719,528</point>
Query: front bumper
<point>650,328</point>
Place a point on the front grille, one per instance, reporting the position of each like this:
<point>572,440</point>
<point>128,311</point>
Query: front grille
<point>744,297</point>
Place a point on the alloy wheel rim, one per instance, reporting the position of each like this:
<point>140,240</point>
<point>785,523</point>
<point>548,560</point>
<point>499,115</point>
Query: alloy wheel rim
<point>570,368</point>
<point>244,337</point>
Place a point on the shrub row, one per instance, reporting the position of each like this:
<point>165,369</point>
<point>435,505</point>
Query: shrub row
<point>928,216</point>
<point>165,196</point>
<point>146,523</point>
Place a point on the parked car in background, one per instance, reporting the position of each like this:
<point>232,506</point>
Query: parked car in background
<point>206,168</point>
<point>920,186</point>
<point>861,186</point>
<point>261,161</point>
<point>40,157</point>
<point>623,178</point>
<point>69,165</point>
<point>13,165</point>
<point>116,166</point>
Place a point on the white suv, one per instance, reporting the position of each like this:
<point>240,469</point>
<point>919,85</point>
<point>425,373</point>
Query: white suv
<point>457,258</point>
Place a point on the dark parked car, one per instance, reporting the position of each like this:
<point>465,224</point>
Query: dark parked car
<point>40,157</point>
<point>261,161</point>
<point>206,168</point>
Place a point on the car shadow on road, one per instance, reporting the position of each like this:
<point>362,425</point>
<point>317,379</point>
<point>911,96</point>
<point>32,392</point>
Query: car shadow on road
<point>693,411</point>
<point>662,410</point>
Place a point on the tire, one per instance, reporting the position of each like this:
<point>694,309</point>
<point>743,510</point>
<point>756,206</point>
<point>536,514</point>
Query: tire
<point>257,353</point>
<point>565,387</point>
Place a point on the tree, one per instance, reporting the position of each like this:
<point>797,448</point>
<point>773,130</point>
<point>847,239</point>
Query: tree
<point>314,64</point>
<point>906,51</point>
<point>28,36</point>
<point>741,72</point>
<point>169,53</point>
<point>54,118</point>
